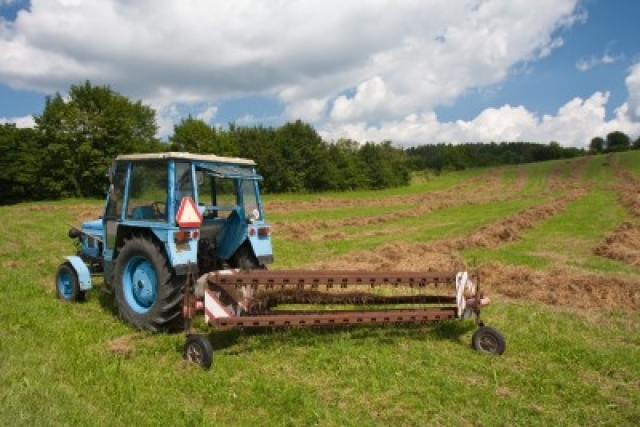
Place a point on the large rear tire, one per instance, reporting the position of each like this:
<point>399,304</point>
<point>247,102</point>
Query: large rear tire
<point>148,295</point>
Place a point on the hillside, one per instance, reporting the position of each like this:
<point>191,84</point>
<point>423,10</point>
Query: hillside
<point>558,247</point>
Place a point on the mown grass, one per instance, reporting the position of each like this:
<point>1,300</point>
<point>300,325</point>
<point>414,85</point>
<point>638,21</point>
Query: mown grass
<point>76,364</point>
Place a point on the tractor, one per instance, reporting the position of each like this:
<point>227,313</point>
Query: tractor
<point>143,249</point>
<point>185,233</point>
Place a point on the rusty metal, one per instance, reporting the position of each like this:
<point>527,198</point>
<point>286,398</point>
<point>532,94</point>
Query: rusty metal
<point>334,278</point>
<point>337,318</point>
<point>265,298</point>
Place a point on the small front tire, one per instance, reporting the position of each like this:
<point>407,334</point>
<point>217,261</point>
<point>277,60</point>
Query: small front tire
<point>68,285</point>
<point>198,350</point>
<point>488,340</point>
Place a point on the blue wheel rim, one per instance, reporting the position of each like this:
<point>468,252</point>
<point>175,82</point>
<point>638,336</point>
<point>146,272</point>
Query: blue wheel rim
<point>140,284</point>
<point>65,284</point>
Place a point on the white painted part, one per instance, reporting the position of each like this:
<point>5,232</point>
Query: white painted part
<point>187,156</point>
<point>201,285</point>
<point>461,282</point>
<point>228,272</point>
<point>212,305</point>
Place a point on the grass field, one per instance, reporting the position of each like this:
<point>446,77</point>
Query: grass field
<point>558,244</point>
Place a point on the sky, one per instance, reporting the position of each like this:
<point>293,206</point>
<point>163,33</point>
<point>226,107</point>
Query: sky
<point>413,72</point>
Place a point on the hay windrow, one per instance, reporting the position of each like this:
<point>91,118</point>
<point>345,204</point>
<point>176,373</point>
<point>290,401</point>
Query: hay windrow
<point>396,256</point>
<point>562,287</point>
<point>622,245</point>
<point>628,189</point>
<point>559,286</point>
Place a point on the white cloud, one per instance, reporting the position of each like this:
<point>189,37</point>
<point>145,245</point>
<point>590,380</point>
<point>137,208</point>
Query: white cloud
<point>633,87</point>
<point>574,124</point>
<point>370,70</point>
<point>207,114</point>
<point>201,51</point>
<point>20,122</point>
<point>593,61</point>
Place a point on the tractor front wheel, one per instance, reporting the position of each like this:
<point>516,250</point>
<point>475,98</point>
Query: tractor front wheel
<point>67,284</point>
<point>147,294</point>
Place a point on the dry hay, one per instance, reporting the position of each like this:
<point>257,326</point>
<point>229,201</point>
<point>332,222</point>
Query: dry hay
<point>563,287</point>
<point>398,257</point>
<point>628,190</point>
<point>487,181</point>
<point>126,345</point>
<point>559,286</point>
<point>509,229</point>
<point>428,203</point>
<point>622,245</point>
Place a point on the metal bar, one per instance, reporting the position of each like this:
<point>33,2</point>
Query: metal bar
<point>353,298</point>
<point>292,277</point>
<point>339,318</point>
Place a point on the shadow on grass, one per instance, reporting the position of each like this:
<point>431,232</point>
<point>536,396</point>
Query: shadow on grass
<point>248,340</point>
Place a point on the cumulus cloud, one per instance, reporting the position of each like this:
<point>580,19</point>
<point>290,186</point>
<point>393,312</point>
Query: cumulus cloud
<point>370,70</point>
<point>21,122</point>
<point>574,124</point>
<point>198,51</point>
<point>633,87</point>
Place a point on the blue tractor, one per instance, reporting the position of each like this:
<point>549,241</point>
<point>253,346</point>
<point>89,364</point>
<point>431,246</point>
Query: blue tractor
<point>168,215</point>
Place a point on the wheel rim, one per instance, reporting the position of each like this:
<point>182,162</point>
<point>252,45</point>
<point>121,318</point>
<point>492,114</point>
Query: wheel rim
<point>65,284</point>
<point>195,353</point>
<point>488,343</point>
<point>140,284</point>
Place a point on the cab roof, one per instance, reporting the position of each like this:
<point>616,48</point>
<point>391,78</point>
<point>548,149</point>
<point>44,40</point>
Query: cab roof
<point>186,156</point>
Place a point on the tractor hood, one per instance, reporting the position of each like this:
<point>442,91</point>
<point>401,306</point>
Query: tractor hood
<point>93,227</point>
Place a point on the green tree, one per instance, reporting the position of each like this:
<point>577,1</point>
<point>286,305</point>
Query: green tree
<point>19,160</point>
<point>349,170</point>
<point>385,165</point>
<point>597,145</point>
<point>81,133</point>
<point>618,141</point>
<point>195,136</point>
<point>636,144</point>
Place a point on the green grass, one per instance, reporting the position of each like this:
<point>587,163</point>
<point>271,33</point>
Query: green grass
<point>76,364</point>
<point>569,238</point>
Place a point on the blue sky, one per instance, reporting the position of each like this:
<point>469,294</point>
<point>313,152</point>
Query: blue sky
<point>413,72</point>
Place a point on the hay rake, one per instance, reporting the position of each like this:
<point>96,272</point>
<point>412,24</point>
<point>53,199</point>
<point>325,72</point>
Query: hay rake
<point>303,298</point>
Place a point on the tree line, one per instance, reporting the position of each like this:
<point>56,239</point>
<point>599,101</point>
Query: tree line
<point>76,137</point>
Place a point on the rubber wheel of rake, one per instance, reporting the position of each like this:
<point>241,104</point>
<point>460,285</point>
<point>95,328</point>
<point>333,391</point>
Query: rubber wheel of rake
<point>147,294</point>
<point>67,284</point>
<point>488,340</point>
<point>198,350</point>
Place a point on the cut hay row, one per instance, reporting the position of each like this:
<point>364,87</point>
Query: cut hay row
<point>492,191</point>
<point>623,244</point>
<point>486,179</point>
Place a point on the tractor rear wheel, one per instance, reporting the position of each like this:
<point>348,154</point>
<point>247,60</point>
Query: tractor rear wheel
<point>67,284</point>
<point>148,295</point>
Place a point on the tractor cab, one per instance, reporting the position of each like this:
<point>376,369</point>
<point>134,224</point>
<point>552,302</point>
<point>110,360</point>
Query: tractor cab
<point>143,247</point>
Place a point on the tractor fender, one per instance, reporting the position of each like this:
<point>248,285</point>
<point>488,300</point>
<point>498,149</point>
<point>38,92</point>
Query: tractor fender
<point>81,269</point>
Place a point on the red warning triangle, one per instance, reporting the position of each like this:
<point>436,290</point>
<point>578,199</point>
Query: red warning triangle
<point>188,214</point>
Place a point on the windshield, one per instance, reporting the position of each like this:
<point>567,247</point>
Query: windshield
<point>222,189</point>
